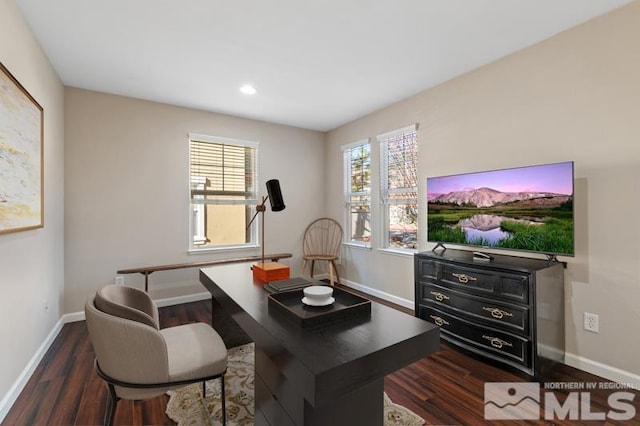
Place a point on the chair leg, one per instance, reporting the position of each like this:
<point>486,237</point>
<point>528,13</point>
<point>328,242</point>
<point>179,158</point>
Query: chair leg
<point>223,398</point>
<point>335,268</point>
<point>330,264</point>
<point>204,390</point>
<point>112,403</point>
<point>304,266</point>
<point>313,264</point>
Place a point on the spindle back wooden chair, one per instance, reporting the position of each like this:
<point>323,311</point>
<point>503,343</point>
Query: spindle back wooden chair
<point>322,241</point>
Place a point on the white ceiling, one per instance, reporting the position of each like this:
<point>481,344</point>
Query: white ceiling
<point>316,64</point>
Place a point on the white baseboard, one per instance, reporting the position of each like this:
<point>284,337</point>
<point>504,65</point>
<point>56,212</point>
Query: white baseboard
<point>73,317</point>
<point>12,395</point>
<point>602,370</point>
<point>170,301</point>
<point>161,303</point>
<point>381,294</point>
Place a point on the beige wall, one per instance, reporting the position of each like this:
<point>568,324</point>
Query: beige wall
<point>126,183</point>
<point>573,97</point>
<point>31,262</point>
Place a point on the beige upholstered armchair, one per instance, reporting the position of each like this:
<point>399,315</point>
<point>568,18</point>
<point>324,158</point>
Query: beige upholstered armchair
<point>136,359</point>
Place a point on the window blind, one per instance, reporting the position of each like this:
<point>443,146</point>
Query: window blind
<point>399,162</point>
<point>358,163</point>
<point>399,187</point>
<point>227,170</point>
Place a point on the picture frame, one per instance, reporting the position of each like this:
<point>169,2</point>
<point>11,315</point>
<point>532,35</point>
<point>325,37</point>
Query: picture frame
<point>21,157</point>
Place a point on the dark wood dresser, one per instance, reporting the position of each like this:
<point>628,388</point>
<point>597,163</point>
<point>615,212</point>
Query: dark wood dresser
<point>509,310</point>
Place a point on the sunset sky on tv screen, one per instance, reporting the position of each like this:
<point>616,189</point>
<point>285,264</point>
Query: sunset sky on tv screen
<point>556,178</point>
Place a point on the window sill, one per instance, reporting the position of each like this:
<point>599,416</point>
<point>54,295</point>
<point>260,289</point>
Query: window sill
<point>222,249</point>
<point>357,246</point>
<point>399,252</point>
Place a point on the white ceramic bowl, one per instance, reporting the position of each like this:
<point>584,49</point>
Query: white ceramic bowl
<point>318,293</point>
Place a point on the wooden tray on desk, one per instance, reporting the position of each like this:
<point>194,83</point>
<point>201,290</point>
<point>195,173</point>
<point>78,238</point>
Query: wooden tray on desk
<point>346,305</point>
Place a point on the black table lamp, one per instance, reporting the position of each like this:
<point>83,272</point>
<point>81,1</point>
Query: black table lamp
<point>274,195</point>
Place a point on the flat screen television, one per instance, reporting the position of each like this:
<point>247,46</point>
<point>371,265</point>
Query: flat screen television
<point>525,208</point>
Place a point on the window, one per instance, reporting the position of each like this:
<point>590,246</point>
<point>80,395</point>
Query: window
<point>223,179</point>
<point>399,188</point>
<point>357,188</point>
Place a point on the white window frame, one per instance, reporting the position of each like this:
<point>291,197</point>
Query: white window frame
<point>348,193</point>
<point>386,199</point>
<point>198,213</point>
<point>197,232</point>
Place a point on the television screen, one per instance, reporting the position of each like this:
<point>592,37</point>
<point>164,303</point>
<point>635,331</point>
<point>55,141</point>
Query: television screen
<point>525,208</point>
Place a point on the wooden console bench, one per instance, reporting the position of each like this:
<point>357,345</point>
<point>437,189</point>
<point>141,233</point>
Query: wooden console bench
<point>148,270</point>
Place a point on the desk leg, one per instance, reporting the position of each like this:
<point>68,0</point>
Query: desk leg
<point>364,406</point>
<point>146,281</point>
<point>212,308</point>
<point>280,400</point>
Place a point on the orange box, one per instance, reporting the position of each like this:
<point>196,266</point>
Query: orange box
<point>270,271</point>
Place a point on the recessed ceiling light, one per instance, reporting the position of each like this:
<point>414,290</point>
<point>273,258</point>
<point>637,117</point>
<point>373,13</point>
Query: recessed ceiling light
<point>247,89</point>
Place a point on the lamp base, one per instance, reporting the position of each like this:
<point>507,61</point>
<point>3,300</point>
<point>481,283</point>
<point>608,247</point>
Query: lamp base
<point>270,271</point>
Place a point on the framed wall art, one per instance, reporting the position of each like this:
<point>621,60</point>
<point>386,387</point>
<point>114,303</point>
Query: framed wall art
<point>21,157</point>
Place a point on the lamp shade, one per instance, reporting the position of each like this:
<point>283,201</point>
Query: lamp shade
<point>275,195</point>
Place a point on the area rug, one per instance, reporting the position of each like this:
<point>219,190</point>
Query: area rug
<point>187,407</point>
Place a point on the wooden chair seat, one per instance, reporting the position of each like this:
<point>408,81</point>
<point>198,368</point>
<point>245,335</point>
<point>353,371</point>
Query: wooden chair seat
<point>320,257</point>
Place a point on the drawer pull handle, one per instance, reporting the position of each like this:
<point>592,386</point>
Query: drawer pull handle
<point>439,296</point>
<point>439,321</point>
<point>497,343</point>
<point>497,313</point>
<point>464,278</point>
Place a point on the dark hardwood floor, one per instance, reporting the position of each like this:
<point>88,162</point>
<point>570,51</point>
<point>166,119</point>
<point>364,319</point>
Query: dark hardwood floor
<point>444,388</point>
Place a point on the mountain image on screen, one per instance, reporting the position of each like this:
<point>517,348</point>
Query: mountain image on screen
<point>487,197</point>
<point>527,208</point>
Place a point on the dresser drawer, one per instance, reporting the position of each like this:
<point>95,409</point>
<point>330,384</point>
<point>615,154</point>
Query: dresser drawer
<point>495,283</point>
<point>483,340</point>
<point>501,315</point>
<point>514,287</point>
<point>425,270</point>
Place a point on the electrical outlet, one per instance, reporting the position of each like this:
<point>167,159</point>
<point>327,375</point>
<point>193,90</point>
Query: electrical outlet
<point>591,322</point>
<point>119,280</point>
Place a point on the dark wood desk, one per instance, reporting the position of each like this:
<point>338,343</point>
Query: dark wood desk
<point>332,374</point>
